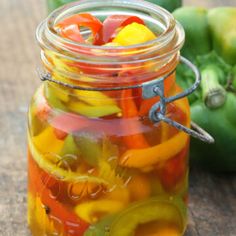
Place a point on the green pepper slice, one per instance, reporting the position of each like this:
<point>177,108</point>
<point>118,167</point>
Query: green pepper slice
<point>161,208</point>
<point>89,147</point>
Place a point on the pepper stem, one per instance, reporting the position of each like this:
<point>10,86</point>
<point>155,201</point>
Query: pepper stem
<point>234,79</point>
<point>213,93</point>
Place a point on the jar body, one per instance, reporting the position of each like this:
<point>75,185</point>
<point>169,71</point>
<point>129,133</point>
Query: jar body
<point>84,171</point>
<point>97,164</point>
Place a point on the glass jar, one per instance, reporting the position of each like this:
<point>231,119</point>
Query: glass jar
<point>98,165</point>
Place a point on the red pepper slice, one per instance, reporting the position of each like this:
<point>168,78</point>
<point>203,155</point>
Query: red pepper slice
<point>129,110</point>
<point>93,69</point>
<point>72,32</point>
<point>111,24</point>
<point>72,224</point>
<point>174,170</point>
<point>69,122</point>
<point>60,134</point>
<point>70,26</point>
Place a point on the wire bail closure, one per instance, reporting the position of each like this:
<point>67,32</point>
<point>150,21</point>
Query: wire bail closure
<point>151,89</point>
<point>158,110</point>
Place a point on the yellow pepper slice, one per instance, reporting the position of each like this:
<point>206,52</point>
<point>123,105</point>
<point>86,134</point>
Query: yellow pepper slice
<point>63,65</point>
<point>139,187</point>
<point>59,63</point>
<point>54,90</point>
<point>93,111</point>
<point>134,34</point>
<point>88,211</point>
<point>140,158</point>
<point>94,98</point>
<point>118,193</point>
<point>183,105</point>
<point>37,218</point>
<point>47,142</point>
<point>164,131</point>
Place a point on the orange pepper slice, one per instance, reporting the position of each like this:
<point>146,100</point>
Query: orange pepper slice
<point>129,110</point>
<point>140,158</point>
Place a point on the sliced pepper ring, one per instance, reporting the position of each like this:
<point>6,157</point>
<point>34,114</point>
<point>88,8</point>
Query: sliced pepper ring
<point>156,209</point>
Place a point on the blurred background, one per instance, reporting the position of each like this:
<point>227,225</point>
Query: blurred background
<point>212,196</point>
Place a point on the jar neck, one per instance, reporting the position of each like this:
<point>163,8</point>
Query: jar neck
<point>100,66</point>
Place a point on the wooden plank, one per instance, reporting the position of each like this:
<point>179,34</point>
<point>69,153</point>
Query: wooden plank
<point>212,197</point>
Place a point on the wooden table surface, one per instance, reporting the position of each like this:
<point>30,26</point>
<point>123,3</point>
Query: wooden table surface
<point>212,196</point>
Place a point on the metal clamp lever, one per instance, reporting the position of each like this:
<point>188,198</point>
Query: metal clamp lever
<point>151,89</point>
<point>158,110</point>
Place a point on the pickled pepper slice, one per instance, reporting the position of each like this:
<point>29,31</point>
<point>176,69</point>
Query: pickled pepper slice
<point>129,110</point>
<point>92,111</point>
<point>70,27</point>
<point>160,209</point>
<point>89,209</point>
<point>39,221</point>
<point>174,170</point>
<point>110,26</point>
<point>140,158</point>
<point>134,33</point>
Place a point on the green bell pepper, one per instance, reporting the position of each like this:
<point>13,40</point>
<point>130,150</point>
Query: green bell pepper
<point>170,5</point>
<point>222,26</point>
<point>211,45</point>
<point>196,31</point>
<point>221,124</point>
<point>126,222</point>
<point>54,4</point>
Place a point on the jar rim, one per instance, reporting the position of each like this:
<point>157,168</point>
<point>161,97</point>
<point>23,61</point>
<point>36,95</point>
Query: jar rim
<point>49,39</point>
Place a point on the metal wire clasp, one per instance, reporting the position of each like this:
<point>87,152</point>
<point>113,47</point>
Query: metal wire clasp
<point>158,110</point>
<point>151,89</point>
